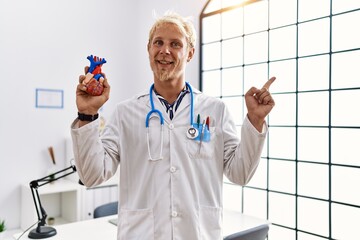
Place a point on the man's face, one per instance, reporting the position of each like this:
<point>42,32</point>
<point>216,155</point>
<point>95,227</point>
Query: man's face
<point>169,53</point>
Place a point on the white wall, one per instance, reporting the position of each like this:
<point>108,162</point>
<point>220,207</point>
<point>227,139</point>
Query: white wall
<point>44,44</point>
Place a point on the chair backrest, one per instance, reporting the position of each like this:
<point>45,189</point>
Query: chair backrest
<point>256,233</point>
<point>106,210</point>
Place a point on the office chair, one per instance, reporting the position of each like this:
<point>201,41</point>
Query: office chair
<point>256,233</point>
<point>106,210</point>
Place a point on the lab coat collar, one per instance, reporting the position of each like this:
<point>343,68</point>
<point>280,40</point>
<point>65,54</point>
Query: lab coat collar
<point>144,96</point>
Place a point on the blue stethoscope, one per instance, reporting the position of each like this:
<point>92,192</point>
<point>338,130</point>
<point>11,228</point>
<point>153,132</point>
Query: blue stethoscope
<point>191,133</point>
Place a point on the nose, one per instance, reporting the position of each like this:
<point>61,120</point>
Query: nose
<point>165,49</point>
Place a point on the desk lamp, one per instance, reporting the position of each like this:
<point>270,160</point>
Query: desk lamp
<point>42,231</point>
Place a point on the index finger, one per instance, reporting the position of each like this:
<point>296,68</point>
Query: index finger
<point>269,82</point>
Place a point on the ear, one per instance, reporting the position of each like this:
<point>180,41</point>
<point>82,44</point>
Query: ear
<point>190,54</point>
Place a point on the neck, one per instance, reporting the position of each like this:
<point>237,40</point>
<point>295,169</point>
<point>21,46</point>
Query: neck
<point>169,90</point>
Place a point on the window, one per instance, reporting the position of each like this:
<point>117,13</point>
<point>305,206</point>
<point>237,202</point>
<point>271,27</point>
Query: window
<point>308,180</point>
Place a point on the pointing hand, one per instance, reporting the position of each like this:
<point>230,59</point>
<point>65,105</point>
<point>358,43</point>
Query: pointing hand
<point>259,103</point>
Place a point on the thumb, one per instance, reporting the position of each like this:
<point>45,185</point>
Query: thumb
<point>86,69</point>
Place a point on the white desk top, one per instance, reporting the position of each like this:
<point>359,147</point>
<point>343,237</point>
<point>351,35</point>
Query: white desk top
<point>236,222</point>
<point>100,228</point>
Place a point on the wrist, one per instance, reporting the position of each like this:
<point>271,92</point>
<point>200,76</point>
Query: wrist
<point>256,122</point>
<point>87,117</point>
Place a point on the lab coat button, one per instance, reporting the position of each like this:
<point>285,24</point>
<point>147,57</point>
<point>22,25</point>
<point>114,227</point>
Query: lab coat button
<point>173,169</point>
<point>174,214</point>
<point>171,126</point>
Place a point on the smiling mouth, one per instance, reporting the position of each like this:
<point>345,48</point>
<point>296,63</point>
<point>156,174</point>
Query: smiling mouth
<point>163,62</point>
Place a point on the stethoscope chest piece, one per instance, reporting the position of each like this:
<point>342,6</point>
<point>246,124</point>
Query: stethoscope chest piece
<point>192,133</point>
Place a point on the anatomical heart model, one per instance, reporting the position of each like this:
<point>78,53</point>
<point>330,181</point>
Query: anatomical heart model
<point>94,77</point>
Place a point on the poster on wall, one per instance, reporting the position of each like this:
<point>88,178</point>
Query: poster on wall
<point>49,98</point>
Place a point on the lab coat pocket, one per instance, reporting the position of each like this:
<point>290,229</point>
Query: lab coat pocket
<point>210,222</point>
<point>202,149</point>
<point>136,224</point>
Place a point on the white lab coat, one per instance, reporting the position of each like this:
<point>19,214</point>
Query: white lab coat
<point>180,196</point>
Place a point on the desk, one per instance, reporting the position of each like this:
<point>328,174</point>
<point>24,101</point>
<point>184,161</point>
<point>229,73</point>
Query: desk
<point>100,228</point>
<point>93,229</point>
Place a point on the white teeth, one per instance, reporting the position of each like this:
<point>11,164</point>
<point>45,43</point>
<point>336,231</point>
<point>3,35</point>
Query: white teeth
<point>164,62</point>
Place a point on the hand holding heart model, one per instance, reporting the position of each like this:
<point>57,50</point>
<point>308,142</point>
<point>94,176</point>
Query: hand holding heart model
<point>94,78</point>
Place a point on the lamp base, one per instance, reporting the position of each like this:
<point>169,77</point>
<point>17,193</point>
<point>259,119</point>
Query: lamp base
<point>42,232</point>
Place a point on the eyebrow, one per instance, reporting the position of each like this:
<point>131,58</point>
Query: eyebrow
<point>171,40</point>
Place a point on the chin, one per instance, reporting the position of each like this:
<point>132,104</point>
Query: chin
<point>164,76</point>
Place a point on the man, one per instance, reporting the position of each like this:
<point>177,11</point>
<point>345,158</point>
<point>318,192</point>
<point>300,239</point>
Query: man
<point>170,174</point>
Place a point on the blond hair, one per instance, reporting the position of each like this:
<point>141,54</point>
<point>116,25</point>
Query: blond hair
<point>184,25</point>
